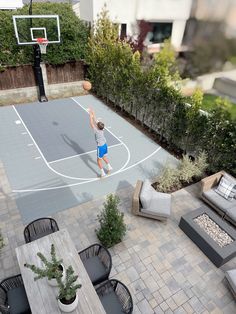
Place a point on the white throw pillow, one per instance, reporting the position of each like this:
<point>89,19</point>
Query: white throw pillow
<point>146,194</point>
<point>226,188</point>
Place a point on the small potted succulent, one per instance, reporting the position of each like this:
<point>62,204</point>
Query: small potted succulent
<point>67,296</point>
<point>53,269</point>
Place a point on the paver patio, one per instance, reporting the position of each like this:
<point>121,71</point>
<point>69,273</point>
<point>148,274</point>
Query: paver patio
<point>164,270</point>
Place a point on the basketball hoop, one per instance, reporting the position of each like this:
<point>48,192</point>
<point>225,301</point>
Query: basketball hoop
<point>42,42</point>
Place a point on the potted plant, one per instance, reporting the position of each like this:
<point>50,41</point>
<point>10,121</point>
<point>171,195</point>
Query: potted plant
<point>52,270</point>
<point>67,296</point>
<point>112,227</point>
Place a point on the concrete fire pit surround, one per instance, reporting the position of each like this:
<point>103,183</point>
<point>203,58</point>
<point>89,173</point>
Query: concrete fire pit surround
<point>218,255</point>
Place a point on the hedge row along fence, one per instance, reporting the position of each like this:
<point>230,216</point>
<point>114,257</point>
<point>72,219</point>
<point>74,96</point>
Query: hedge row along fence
<point>148,93</point>
<point>74,36</point>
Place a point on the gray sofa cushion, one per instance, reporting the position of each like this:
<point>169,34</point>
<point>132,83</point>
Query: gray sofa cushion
<point>160,205</point>
<point>218,200</point>
<point>231,277</point>
<point>146,194</point>
<point>230,179</point>
<point>231,212</point>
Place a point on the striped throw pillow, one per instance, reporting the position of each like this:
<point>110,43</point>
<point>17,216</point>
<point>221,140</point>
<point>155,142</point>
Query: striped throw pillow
<point>226,189</point>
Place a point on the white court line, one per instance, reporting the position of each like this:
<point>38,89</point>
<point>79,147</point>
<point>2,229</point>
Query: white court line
<point>78,155</point>
<point>59,173</point>
<point>44,159</point>
<point>85,180</point>
<point>89,181</point>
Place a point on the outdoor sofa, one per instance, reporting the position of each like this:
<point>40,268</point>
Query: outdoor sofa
<point>147,202</point>
<point>226,208</point>
<point>231,278</point>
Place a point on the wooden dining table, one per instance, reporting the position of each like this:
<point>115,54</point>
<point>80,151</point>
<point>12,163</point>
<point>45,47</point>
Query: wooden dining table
<point>42,296</point>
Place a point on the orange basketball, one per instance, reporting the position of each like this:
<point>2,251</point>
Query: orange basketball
<point>87,85</point>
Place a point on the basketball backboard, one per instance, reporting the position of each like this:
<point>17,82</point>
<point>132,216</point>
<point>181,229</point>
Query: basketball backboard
<point>30,27</point>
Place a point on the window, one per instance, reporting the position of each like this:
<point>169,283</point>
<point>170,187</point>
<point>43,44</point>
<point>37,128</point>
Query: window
<point>123,31</point>
<point>160,32</point>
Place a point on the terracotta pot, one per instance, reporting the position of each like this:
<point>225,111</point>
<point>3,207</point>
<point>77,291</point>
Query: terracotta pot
<point>67,308</point>
<point>53,281</point>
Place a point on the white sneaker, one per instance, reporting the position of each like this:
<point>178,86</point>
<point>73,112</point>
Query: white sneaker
<point>109,168</point>
<point>102,173</point>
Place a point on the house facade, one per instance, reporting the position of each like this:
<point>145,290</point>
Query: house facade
<point>10,5</point>
<point>166,18</point>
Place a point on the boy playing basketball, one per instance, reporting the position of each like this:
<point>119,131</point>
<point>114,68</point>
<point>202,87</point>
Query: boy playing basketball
<point>98,128</point>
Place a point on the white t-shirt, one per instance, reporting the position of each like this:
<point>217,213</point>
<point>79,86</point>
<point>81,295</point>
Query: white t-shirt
<point>99,137</point>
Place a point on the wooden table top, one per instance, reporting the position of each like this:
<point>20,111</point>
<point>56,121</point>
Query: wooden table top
<point>42,296</point>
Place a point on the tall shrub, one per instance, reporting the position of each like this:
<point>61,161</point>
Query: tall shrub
<point>150,93</point>
<point>112,227</point>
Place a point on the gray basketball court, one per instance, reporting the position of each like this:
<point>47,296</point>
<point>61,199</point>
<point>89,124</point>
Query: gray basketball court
<point>49,154</point>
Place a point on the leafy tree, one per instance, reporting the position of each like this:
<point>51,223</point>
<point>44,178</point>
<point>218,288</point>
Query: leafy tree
<point>112,227</point>
<point>74,36</point>
<point>220,141</point>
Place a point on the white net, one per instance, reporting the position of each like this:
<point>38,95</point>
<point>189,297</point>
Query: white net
<point>42,45</point>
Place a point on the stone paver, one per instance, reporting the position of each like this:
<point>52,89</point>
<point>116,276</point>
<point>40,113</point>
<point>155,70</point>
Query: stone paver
<point>163,269</point>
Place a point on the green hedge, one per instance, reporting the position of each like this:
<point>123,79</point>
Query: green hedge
<point>74,36</point>
<point>148,94</point>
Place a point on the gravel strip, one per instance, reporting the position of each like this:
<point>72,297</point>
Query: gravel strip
<point>213,230</point>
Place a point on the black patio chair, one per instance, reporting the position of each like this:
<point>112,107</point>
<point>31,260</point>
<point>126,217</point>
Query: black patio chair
<point>39,228</point>
<point>97,262</point>
<point>13,299</point>
<point>115,297</point>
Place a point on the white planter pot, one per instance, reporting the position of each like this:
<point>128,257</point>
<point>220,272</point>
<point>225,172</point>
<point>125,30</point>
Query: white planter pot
<point>67,308</point>
<point>53,281</point>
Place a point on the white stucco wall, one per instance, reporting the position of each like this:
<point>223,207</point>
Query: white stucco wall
<point>129,11</point>
<point>10,4</point>
<point>86,10</point>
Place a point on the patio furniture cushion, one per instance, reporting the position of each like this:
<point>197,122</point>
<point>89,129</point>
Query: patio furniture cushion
<point>17,300</point>
<point>231,212</point>
<point>111,303</point>
<point>231,277</point>
<point>226,188</point>
<point>94,268</point>
<point>217,200</point>
<point>160,204</point>
<point>230,179</point>
<point>146,194</point>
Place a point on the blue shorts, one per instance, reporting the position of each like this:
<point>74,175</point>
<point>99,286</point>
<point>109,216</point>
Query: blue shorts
<point>101,151</point>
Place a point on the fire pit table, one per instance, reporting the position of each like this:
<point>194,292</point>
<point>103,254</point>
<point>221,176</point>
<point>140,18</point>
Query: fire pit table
<point>215,237</point>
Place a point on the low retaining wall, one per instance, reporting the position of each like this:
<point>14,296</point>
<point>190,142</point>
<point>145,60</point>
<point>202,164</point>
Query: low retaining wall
<point>225,86</point>
<point>30,94</point>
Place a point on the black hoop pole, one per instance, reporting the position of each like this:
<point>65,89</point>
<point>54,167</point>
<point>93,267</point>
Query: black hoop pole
<point>37,68</point>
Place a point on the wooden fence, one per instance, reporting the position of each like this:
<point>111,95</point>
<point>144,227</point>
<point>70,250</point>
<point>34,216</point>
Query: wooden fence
<point>23,76</point>
<point>17,77</point>
<point>68,72</point>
